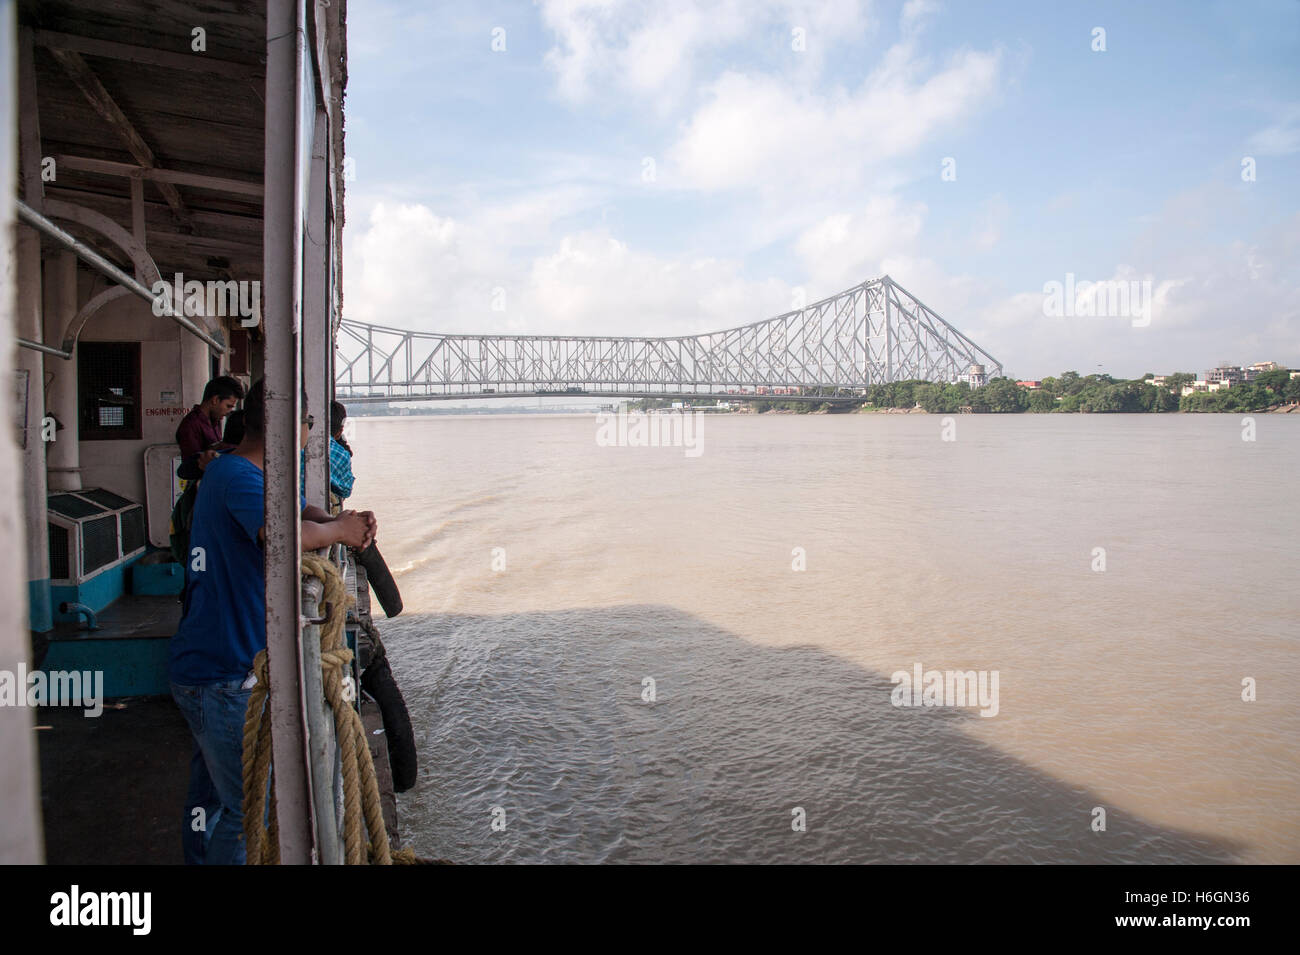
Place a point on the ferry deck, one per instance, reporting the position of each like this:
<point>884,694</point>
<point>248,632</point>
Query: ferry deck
<point>152,144</point>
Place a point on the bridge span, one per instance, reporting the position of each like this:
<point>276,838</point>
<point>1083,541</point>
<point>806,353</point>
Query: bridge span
<point>834,349</point>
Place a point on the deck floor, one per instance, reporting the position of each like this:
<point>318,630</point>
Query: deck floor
<point>113,787</point>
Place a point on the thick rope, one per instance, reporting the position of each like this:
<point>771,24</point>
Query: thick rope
<point>365,839</point>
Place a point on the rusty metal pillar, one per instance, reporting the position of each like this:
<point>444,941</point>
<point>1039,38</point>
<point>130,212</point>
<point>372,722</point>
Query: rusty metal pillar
<point>282,281</point>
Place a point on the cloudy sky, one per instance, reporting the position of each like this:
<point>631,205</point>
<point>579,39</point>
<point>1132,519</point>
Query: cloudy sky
<point>669,167</point>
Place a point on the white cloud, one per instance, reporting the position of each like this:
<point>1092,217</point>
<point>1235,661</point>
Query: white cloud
<point>400,263</point>
<point>916,14</point>
<point>1280,138</point>
<point>846,248</point>
<point>1210,301</point>
<point>654,49</point>
<point>993,215</point>
<point>762,132</point>
<point>642,48</point>
<point>595,284</point>
<point>411,268</point>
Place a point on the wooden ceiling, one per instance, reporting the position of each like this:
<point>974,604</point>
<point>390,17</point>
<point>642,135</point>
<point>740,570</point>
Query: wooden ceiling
<point>121,94</point>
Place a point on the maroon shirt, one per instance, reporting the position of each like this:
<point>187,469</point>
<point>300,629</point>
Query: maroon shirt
<point>195,434</point>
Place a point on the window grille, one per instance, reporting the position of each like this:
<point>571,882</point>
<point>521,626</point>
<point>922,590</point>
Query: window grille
<point>108,382</point>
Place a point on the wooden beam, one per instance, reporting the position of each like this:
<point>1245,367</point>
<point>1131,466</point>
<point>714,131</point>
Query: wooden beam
<point>29,125</point>
<point>107,108</point>
<point>172,251</point>
<point>137,211</point>
<point>107,167</point>
<point>203,245</point>
<point>146,56</point>
<point>237,225</point>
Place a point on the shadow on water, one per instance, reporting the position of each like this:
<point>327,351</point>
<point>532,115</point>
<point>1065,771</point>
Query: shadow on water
<point>541,715</point>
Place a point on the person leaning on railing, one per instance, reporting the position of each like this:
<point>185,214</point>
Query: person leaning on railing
<point>223,627</point>
<point>376,673</point>
<point>341,479</point>
<point>340,456</point>
<point>341,484</point>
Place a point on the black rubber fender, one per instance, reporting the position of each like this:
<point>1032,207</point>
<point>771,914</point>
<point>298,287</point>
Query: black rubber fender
<point>381,580</point>
<point>377,680</point>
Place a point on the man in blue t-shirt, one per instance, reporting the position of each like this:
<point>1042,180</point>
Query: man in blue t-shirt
<point>223,627</point>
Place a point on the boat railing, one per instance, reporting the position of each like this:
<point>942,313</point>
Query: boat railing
<point>322,746</point>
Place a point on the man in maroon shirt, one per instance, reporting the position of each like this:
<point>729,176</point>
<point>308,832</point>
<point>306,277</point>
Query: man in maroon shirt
<point>199,433</point>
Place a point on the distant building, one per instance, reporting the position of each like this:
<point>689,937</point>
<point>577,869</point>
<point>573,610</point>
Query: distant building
<point>1225,375</point>
<point>1031,385</point>
<point>975,376</point>
<point>1231,374</point>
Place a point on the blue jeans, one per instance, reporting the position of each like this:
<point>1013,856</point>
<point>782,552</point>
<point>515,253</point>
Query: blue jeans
<point>215,713</point>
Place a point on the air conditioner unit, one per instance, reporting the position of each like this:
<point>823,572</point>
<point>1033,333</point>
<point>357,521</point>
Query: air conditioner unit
<point>90,532</point>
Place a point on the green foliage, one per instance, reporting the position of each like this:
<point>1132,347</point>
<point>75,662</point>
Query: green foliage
<point>1070,383</point>
<point>1041,400</point>
<point>1248,397</point>
<point>1274,381</point>
<point>1000,396</point>
<point>649,404</point>
<point>1069,393</point>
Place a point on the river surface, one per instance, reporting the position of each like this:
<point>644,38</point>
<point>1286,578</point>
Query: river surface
<point>635,654</point>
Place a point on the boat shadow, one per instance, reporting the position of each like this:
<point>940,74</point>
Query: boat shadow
<point>539,742</point>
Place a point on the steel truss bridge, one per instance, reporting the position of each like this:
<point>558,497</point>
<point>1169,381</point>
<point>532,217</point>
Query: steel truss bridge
<point>870,334</point>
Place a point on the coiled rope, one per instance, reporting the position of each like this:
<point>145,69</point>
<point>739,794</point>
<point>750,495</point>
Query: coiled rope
<point>362,813</point>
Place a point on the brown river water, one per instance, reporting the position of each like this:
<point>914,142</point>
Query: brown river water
<point>639,654</point>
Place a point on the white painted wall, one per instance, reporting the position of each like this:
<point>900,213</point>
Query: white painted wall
<point>172,360</point>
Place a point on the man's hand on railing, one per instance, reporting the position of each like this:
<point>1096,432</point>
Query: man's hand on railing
<point>372,528</point>
<point>319,529</point>
<point>353,529</point>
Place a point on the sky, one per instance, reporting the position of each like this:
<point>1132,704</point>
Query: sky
<point>673,167</point>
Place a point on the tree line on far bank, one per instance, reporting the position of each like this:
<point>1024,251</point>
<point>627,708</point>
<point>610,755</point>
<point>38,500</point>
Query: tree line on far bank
<point>1102,394</point>
<point>1070,392</point>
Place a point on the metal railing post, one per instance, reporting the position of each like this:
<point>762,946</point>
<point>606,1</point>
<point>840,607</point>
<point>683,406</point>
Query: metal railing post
<point>321,744</point>
<point>282,243</point>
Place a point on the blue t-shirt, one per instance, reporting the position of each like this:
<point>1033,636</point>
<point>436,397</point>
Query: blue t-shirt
<point>223,625</point>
